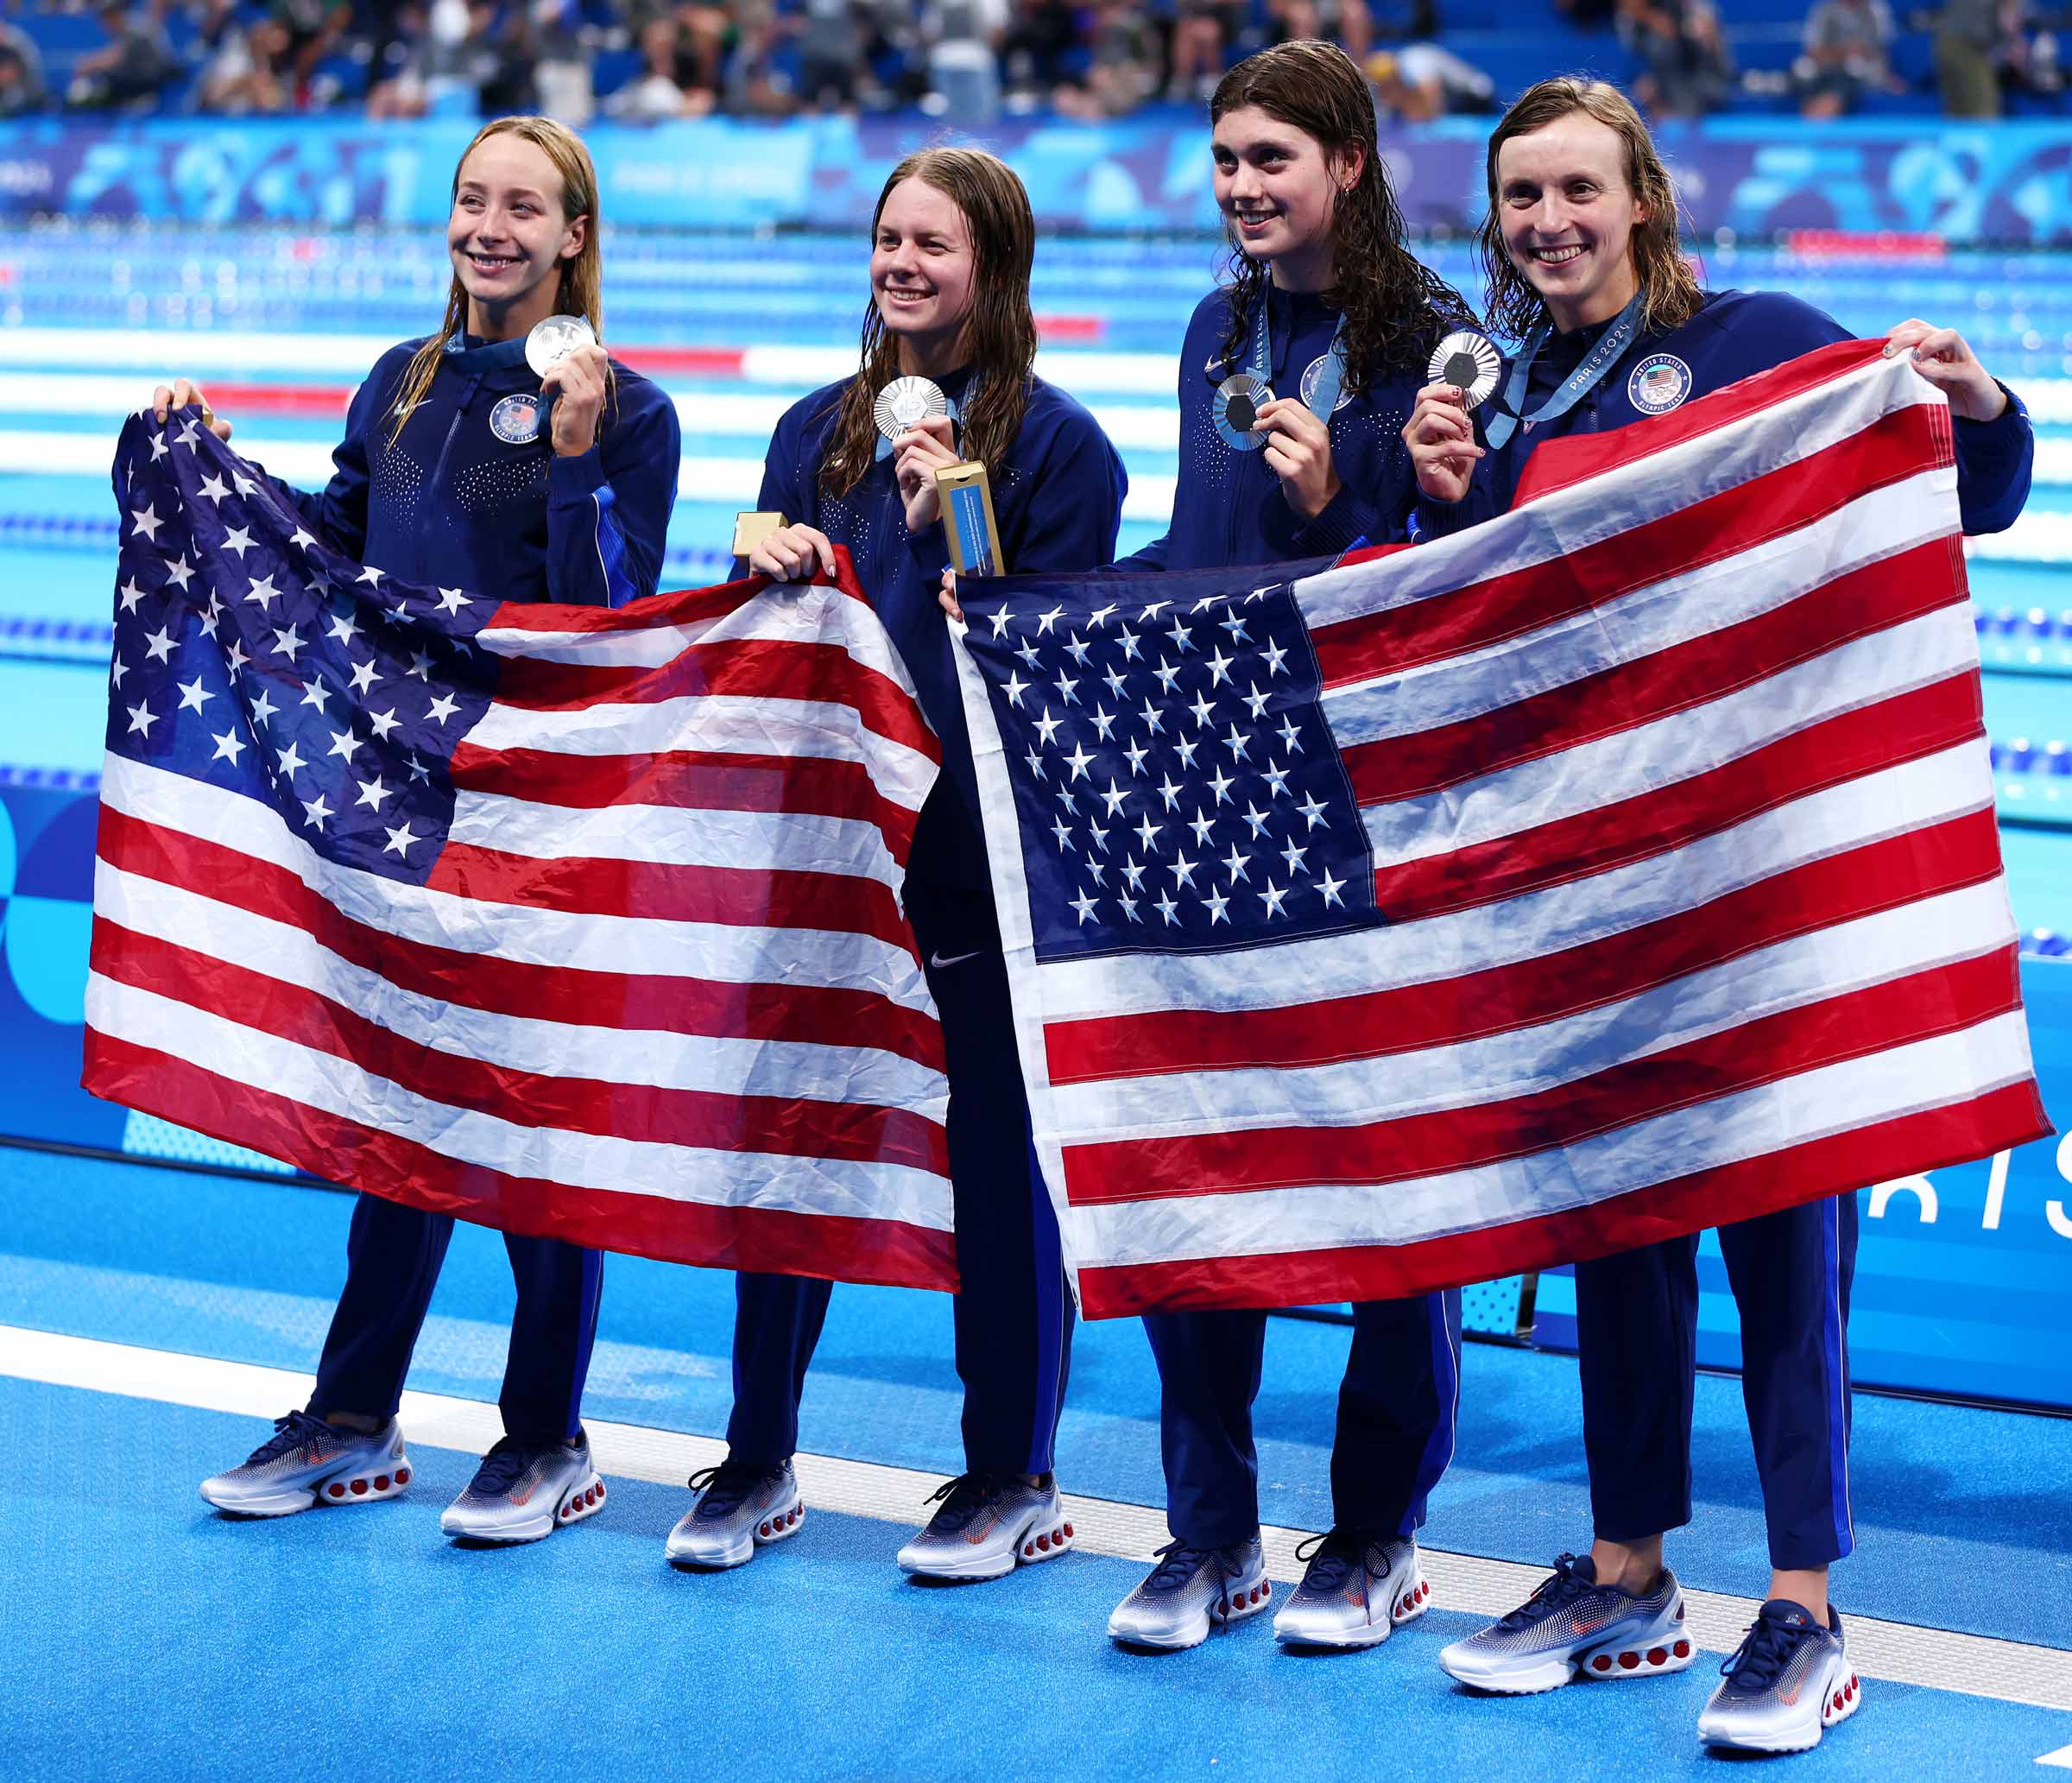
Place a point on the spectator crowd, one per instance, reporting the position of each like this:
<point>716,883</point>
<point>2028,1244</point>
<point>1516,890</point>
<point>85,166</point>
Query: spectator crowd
<point>1982,48</point>
<point>646,60</point>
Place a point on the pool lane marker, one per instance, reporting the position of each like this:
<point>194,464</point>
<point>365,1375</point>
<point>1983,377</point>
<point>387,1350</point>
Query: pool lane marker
<point>1895,1653</point>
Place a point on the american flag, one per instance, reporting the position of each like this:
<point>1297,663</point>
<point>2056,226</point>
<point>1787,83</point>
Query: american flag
<point>576,922</point>
<point>1622,866</point>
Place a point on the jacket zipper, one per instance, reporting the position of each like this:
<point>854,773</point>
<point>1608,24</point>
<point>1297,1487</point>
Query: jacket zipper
<point>446,450</point>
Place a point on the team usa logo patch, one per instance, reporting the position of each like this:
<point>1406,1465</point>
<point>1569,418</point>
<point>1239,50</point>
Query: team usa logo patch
<point>1659,383</point>
<point>516,420</point>
<point>1312,378</point>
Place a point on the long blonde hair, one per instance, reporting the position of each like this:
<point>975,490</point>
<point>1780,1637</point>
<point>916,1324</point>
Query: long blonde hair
<point>1000,329</point>
<point>1673,293</point>
<point>582,288</point>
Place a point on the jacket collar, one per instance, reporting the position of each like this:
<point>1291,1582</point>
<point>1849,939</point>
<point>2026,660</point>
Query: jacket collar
<point>465,352</point>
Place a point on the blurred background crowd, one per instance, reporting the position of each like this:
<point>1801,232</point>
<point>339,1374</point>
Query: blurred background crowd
<point>646,60</point>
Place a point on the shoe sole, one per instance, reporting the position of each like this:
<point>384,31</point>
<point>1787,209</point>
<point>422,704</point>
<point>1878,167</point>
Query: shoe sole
<point>585,1500</point>
<point>1621,1659</point>
<point>354,1486</point>
<point>1033,1543</point>
<point>780,1524</point>
<point>1252,1595</point>
<point>1412,1599</point>
<point>1838,1701</point>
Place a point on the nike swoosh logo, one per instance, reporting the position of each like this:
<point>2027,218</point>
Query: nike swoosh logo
<point>955,959</point>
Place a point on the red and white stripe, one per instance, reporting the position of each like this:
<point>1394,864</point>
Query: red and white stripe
<point>657,994</point>
<point>1675,782</point>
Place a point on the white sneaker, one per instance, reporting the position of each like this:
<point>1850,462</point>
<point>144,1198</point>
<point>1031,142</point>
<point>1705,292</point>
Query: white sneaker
<point>307,1463</point>
<point>1789,1681</point>
<point>741,1509</point>
<point>989,1524</point>
<point>1355,1593</point>
<point>1572,1627</point>
<point>1191,1590</point>
<point>522,1494</point>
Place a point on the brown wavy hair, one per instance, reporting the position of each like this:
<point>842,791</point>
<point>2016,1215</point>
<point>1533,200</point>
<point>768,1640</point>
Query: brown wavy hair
<point>582,288</point>
<point>999,333</point>
<point>1395,308</point>
<point>1672,292</point>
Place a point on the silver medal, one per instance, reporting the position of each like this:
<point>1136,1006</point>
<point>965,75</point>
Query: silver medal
<point>905,403</point>
<point>1235,410</point>
<point>1467,361</point>
<point>554,339</point>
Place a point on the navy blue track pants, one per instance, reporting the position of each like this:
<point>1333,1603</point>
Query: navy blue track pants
<point>1013,1315</point>
<point>393,1256</point>
<point>1396,1416</point>
<point>1636,1329</point>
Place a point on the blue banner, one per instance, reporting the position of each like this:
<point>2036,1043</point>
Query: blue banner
<point>46,919</point>
<point>1758,177</point>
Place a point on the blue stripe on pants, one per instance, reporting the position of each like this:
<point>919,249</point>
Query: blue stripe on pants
<point>1834,1344</point>
<point>1444,1319</point>
<point>393,1256</point>
<point>1636,1321</point>
<point>1396,1416</point>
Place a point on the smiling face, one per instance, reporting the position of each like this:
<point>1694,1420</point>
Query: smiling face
<point>1568,215</point>
<point>508,236</point>
<point>923,273</point>
<point>1277,188</point>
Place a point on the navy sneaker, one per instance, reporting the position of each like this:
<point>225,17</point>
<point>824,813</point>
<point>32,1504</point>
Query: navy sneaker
<point>521,1493</point>
<point>1787,1681</point>
<point>1357,1588</point>
<point>739,1509</point>
<point>306,1463</point>
<point>1572,1627</point>
<point>988,1525</point>
<point>1191,1590</point>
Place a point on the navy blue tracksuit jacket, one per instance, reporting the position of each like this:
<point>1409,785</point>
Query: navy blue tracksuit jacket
<point>1228,506</point>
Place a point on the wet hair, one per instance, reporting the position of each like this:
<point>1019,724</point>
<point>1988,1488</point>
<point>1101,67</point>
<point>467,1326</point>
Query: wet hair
<point>1673,293</point>
<point>1395,308</point>
<point>999,332</point>
<point>582,288</point>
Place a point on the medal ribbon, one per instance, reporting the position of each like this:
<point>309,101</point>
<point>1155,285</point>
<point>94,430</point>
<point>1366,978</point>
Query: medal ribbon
<point>1330,382</point>
<point>1580,383</point>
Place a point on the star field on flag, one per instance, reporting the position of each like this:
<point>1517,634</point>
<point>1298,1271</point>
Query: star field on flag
<point>1176,787</point>
<point>250,655</point>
